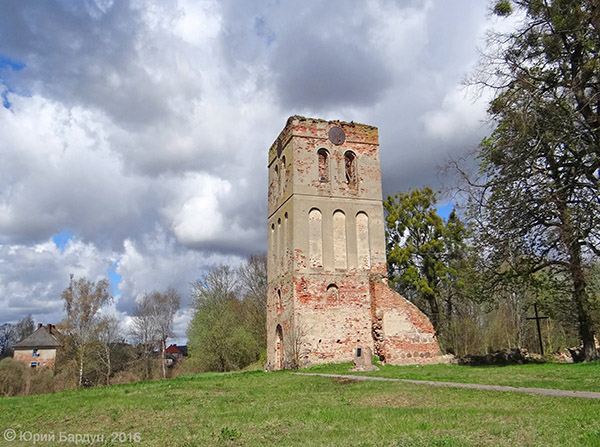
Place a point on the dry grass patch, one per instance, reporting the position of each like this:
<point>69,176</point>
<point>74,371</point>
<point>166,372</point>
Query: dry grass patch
<point>397,400</point>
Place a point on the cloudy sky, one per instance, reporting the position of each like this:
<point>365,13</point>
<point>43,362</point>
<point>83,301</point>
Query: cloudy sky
<point>134,134</point>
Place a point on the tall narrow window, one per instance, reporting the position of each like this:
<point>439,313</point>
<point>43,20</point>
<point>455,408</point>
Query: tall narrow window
<point>350,168</point>
<point>279,242</point>
<point>362,242</point>
<point>315,239</point>
<point>283,175</point>
<point>323,157</point>
<point>273,246</point>
<point>277,186</point>
<point>339,241</point>
<point>285,241</point>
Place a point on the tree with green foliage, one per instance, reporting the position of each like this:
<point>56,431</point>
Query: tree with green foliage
<point>423,250</point>
<point>535,201</point>
<point>82,300</point>
<point>222,334</point>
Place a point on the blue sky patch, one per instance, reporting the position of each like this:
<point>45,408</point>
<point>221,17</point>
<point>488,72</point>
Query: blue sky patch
<point>61,240</point>
<point>6,62</point>
<point>5,101</point>
<point>445,210</point>
<point>115,279</point>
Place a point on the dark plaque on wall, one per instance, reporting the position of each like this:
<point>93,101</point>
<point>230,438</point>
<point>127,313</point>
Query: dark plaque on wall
<point>337,136</point>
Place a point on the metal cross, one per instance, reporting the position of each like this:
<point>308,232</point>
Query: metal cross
<point>537,319</point>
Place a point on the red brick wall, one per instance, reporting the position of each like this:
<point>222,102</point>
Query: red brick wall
<point>45,358</point>
<point>403,334</point>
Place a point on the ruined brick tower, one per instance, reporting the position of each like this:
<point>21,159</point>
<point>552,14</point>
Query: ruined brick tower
<point>327,290</point>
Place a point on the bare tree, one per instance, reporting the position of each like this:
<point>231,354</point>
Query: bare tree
<point>252,278</point>
<point>25,327</point>
<point>83,299</point>
<point>217,285</point>
<point>109,334</point>
<point>8,337</point>
<point>143,332</point>
<point>153,323</point>
<point>165,305</point>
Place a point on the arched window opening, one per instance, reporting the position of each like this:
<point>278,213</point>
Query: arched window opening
<point>350,168</point>
<point>339,241</point>
<point>278,305</point>
<point>285,247</point>
<point>280,236</point>
<point>362,242</point>
<point>277,185</point>
<point>333,294</point>
<point>315,239</point>
<point>283,174</point>
<point>272,246</point>
<point>323,157</point>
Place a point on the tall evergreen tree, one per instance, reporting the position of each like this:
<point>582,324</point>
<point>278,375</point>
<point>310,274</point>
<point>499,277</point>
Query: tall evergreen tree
<point>537,197</point>
<point>423,250</point>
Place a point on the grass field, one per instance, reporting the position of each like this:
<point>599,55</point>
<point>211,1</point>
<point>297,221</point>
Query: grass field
<point>579,376</point>
<point>255,409</point>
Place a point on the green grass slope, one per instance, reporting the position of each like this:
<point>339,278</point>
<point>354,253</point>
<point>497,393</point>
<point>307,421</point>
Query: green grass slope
<point>259,409</point>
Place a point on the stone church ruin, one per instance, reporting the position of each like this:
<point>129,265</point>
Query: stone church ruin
<point>327,292</point>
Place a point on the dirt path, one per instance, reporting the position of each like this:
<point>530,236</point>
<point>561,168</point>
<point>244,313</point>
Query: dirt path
<point>472,386</point>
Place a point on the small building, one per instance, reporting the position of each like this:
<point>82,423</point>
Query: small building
<point>39,349</point>
<point>175,353</point>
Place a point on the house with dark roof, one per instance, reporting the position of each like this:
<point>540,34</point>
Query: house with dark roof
<point>39,349</point>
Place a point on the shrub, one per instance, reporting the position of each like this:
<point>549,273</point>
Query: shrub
<point>12,377</point>
<point>183,367</point>
<point>41,381</point>
<point>68,376</point>
<point>124,377</point>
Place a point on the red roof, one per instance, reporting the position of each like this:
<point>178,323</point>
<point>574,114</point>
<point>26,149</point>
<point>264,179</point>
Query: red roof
<point>173,349</point>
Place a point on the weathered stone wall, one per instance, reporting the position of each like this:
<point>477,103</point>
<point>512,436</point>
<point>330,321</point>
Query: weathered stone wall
<point>326,243</point>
